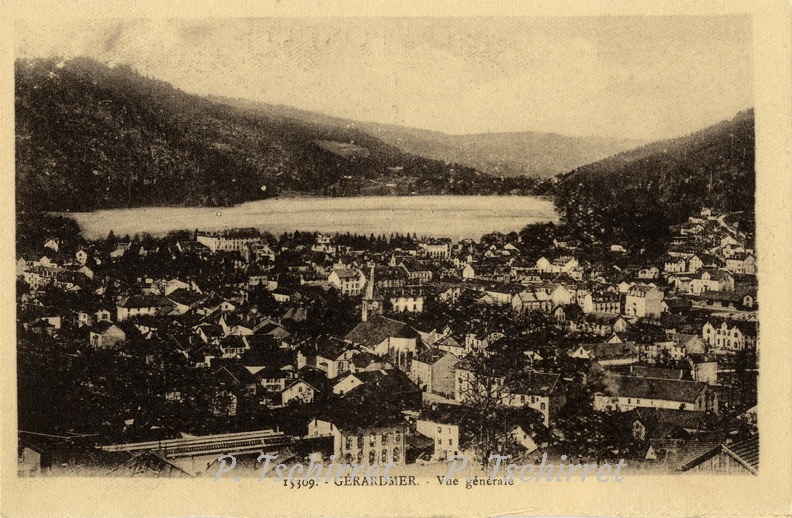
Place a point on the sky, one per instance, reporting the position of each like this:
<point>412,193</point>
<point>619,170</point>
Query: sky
<point>646,77</point>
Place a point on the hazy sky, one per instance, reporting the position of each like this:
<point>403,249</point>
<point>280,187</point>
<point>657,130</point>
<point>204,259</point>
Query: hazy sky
<point>632,77</point>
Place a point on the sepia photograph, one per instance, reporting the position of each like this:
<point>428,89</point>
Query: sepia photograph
<point>334,255</point>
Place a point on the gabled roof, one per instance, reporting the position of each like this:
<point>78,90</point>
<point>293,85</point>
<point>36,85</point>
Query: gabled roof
<point>145,301</point>
<point>535,383</point>
<point>363,359</point>
<point>654,388</point>
<point>351,416</point>
<point>431,356</point>
<point>745,453</point>
<point>610,351</point>
<point>330,347</point>
<point>185,297</point>
<point>377,329</point>
<point>103,326</point>
<point>347,273</point>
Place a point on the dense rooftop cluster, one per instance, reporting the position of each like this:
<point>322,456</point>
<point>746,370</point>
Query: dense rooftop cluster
<point>393,348</point>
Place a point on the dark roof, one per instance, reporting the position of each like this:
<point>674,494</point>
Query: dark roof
<point>607,351</point>
<point>363,359</point>
<point>745,452</point>
<point>185,297</point>
<point>539,383</point>
<point>350,416</point>
<point>655,388</point>
<point>145,301</point>
<point>377,329</point>
<point>430,356</point>
<point>347,273</point>
<point>646,371</point>
<point>329,347</point>
<point>444,414</point>
<point>102,326</point>
<point>686,419</point>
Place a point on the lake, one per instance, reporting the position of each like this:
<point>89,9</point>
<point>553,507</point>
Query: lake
<point>439,216</point>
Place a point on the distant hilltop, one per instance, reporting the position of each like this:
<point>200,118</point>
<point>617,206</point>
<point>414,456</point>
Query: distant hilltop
<point>636,195</point>
<point>90,136</point>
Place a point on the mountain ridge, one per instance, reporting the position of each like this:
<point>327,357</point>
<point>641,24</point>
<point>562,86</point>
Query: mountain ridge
<point>636,195</point>
<point>533,153</point>
<point>91,136</point>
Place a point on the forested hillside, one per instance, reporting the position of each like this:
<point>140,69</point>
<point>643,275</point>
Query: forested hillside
<point>510,154</point>
<point>89,136</point>
<point>636,195</point>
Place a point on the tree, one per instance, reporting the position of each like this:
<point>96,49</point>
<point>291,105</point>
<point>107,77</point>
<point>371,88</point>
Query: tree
<point>486,380</point>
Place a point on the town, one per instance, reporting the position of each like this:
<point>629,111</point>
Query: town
<point>153,356</point>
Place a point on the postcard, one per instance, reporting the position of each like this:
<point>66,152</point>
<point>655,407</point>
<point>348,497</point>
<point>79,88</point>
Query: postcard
<point>355,259</point>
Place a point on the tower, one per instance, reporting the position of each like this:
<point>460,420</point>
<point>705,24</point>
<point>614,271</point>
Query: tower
<point>372,301</point>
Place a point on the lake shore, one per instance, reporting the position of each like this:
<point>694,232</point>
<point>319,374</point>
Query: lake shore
<point>437,216</point>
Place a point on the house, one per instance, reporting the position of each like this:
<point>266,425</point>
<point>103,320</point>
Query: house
<point>644,301</point>
<point>364,362</point>
<point>711,280</point>
<point>53,244</point>
<point>469,271</point>
<point>407,299</point>
<point>563,264</point>
<point>451,345</point>
<point>299,391</point>
<point>417,273</point>
<point>81,318</point>
<point>233,345</point>
<point>184,300</point>
<point>741,263</point>
<point>365,436</point>
<point>190,247</point>
<point>436,248</point>
<point>137,305</point>
<point>28,460</point>
<point>599,302</point>
<point>328,354</point>
<point>560,295</point>
<point>433,371</point>
<point>661,423</point>
<point>650,273</point>
<point>602,324</point>
<point>234,240</point>
<point>324,244</point>
<point>530,300</point>
<point>672,264</point>
<point>623,393</point>
<point>106,334</point>
<point>480,340</point>
<point>724,335</point>
<point>257,276</point>
<point>608,353</point>
<point>374,387</point>
<point>441,423</point>
<point>389,276</point>
<point>703,367</point>
<point>536,390</point>
<point>738,458</point>
<point>695,263</point>
<point>386,337</point>
<point>348,281</point>
<point>684,344</point>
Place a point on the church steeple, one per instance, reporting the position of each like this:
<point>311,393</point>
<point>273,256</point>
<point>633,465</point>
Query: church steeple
<point>372,302</point>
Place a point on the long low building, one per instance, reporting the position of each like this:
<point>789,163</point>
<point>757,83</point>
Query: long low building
<point>624,393</point>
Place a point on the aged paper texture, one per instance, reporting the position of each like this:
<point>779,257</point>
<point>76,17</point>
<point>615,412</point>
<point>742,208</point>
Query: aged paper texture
<point>522,229</point>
